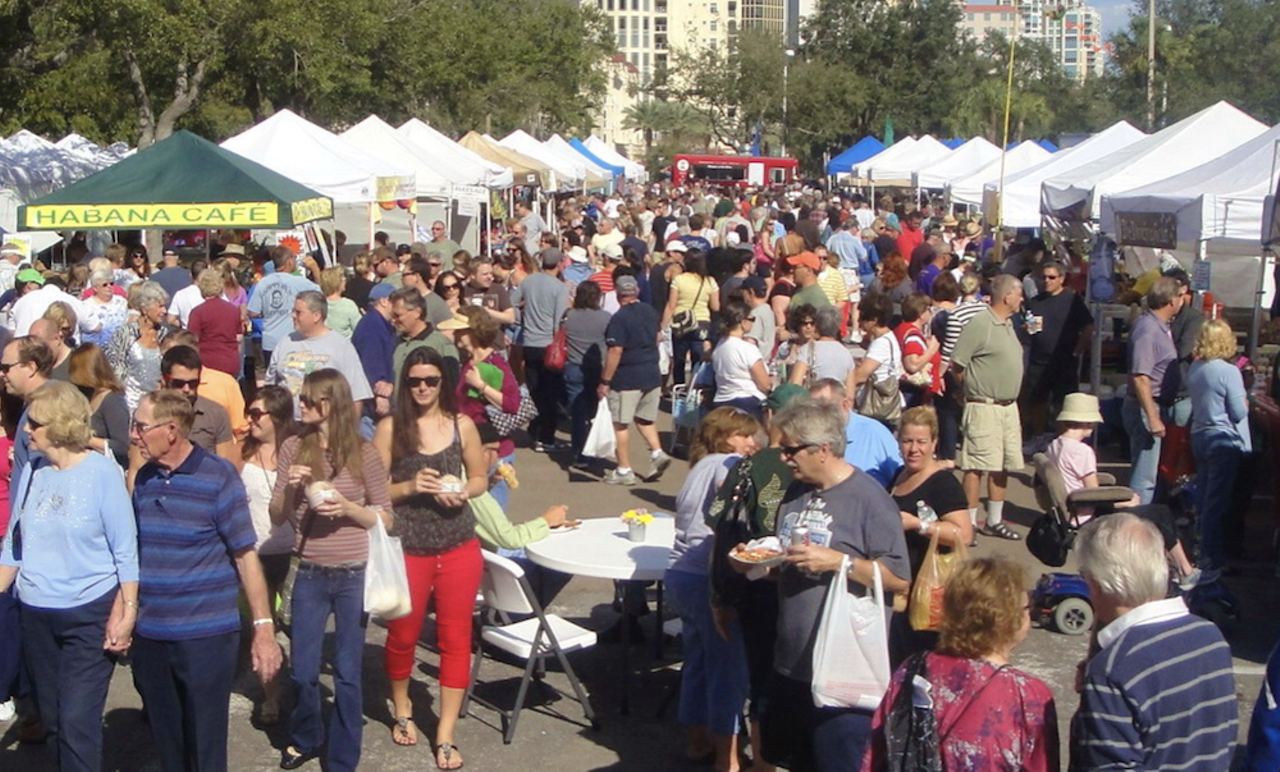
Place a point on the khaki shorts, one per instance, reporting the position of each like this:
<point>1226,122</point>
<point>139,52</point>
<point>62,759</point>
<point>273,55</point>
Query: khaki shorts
<point>992,438</point>
<point>626,407</point>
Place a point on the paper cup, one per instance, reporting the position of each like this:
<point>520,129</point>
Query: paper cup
<point>320,492</point>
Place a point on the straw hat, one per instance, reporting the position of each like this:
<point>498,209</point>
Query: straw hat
<point>950,221</point>
<point>972,229</point>
<point>1080,408</point>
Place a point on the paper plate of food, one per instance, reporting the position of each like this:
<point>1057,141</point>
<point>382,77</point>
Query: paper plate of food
<point>764,552</point>
<point>566,526</point>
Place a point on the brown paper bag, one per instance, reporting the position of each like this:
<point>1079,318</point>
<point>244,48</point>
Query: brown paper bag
<point>925,612</point>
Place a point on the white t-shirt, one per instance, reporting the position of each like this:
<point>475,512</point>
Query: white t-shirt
<point>732,362</point>
<point>31,306</point>
<point>888,353</point>
<point>184,302</point>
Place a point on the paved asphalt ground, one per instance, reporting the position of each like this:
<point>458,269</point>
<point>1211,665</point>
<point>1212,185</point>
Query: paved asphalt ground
<point>648,739</point>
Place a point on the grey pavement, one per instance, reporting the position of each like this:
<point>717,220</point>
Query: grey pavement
<point>649,738</point>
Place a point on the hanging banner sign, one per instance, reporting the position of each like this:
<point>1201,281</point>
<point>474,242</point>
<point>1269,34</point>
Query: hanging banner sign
<point>474,194</point>
<point>261,214</point>
<point>395,188</point>
<point>467,209</point>
<point>1201,276</point>
<point>1147,229</point>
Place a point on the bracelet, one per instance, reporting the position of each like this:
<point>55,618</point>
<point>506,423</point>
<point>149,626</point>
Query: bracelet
<point>130,603</point>
<point>263,621</point>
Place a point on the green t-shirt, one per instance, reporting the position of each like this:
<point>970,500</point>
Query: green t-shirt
<point>343,316</point>
<point>991,356</point>
<point>813,295</point>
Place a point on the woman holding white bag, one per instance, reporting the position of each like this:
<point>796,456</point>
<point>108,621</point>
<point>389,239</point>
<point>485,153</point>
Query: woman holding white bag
<point>839,514</point>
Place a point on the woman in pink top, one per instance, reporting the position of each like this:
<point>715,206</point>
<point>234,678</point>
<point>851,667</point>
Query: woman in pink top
<point>332,486</point>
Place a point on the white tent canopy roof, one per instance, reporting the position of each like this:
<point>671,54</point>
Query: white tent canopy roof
<point>1077,194</point>
<point>377,137</point>
<point>968,189</point>
<point>963,161</point>
<point>605,152</point>
<point>572,174</point>
<point>562,146</point>
<point>1021,200</point>
<point>895,166</point>
<point>1222,198</point>
<point>323,161</point>
<point>452,160</point>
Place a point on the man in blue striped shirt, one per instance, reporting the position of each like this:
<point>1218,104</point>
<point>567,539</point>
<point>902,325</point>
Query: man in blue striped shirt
<point>196,550</point>
<point>1158,694</point>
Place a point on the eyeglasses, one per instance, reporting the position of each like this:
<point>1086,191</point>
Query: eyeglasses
<point>431,381</point>
<point>254,414</point>
<point>792,451</point>
<point>311,401</point>
<point>140,429</point>
<point>183,383</point>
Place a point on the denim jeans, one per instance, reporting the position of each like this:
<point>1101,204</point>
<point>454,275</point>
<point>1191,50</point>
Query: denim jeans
<point>70,673</point>
<point>546,387</point>
<point>317,593</point>
<point>1218,456</point>
<point>684,346</point>
<point>713,679</point>
<point>580,394</point>
<point>1144,449</point>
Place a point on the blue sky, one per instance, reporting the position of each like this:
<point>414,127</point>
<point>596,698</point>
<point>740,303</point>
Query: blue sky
<point>1115,13</point>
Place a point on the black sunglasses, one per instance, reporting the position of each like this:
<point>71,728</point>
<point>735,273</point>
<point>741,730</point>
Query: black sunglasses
<point>794,450</point>
<point>433,381</point>
<point>254,414</point>
<point>33,424</point>
<point>183,383</point>
<point>6,366</point>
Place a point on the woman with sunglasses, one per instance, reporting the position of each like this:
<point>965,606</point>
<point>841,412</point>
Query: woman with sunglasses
<point>109,308</point>
<point>137,266</point>
<point>449,287</point>
<point>270,417</point>
<point>437,463</point>
<point>331,486</point>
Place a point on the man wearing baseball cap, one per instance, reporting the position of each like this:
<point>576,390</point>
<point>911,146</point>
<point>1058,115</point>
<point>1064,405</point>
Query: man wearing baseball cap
<point>375,342</point>
<point>632,382</point>
<point>805,267</point>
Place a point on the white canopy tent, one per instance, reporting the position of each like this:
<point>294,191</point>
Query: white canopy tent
<point>635,172</point>
<point>968,190</point>
<point>1076,195</point>
<point>963,161</point>
<point>323,161</point>
<point>898,166</point>
<point>560,145</point>
<point>571,173</point>
<point>377,137</point>
<point>1021,196</point>
<point>453,161</point>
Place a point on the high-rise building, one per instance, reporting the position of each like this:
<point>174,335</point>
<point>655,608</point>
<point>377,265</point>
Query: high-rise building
<point>1071,28</point>
<point>980,19</point>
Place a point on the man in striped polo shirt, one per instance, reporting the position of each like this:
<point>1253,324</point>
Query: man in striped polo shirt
<point>195,550</point>
<point>1158,694</point>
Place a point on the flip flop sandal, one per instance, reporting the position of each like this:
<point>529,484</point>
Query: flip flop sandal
<point>448,749</point>
<point>401,729</point>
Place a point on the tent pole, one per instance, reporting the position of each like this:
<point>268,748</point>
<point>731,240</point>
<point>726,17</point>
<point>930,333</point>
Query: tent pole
<point>1255,328</point>
<point>371,223</point>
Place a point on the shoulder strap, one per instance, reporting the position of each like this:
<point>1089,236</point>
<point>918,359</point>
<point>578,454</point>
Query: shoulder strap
<point>942,735</point>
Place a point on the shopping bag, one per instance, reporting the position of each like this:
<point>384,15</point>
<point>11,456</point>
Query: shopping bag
<point>851,653</point>
<point>931,583</point>
<point>386,581</point>
<point>1176,459</point>
<point>601,442</point>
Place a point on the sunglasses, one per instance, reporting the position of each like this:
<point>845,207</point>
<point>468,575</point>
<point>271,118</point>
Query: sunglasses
<point>33,424</point>
<point>1049,277</point>
<point>452,286</point>
<point>183,383</point>
<point>6,366</point>
<point>794,450</point>
<point>254,414</point>
<point>432,381</point>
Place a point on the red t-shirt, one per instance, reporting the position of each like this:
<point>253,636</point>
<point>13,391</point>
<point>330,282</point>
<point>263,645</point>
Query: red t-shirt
<point>913,344</point>
<point>604,279</point>
<point>216,323</point>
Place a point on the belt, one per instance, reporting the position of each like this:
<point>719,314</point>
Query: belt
<point>989,401</point>
<point>340,568</point>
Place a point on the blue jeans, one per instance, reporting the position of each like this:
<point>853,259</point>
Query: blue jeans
<point>317,593</point>
<point>70,674</point>
<point>1144,449</point>
<point>683,347</point>
<point>1218,456</point>
<point>186,689</point>
<point>713,680</point>
<point>580,394</point>
<point>747,404</point>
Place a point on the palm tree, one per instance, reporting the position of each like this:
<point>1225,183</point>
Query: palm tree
<point>647,116</point>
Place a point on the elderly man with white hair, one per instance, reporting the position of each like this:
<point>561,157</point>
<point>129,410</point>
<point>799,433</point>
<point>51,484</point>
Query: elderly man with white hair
<point>1159,692</point>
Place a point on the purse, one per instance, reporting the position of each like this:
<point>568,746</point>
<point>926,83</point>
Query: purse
<point>911,729</point>
<point>557,354</point>
<point>883,400</point>
<point>728,587</point>
<point>508,423</point>
<point>1050,540</point>
<point>685,322</point>
<point>285,609</point>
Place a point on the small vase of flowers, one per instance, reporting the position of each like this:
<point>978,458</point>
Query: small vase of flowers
<point>637,521</point>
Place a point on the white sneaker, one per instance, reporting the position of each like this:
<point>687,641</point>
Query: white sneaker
<point>660,463</point>
<point>8,711</point>
<point>615,478</point>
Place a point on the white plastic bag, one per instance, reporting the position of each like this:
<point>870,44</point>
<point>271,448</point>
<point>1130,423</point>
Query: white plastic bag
<point>601,441</point>
<point>386,581</point>
<point>851,653</point>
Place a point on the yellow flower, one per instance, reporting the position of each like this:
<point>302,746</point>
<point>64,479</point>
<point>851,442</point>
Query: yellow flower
<point>640,516</point>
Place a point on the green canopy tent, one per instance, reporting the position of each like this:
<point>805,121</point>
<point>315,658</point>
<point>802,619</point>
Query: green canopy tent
<point>182,182</point>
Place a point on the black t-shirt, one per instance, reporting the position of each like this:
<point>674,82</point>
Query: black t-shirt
<point>659,287</point>
<point>635,328</point>
<point>660,225</point>
<point>358,289</point>
<point>942,492</point>
<point>1065,315</point>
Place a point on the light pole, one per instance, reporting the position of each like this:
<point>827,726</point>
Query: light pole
<point>786,64</point>
<point>1151,65</point>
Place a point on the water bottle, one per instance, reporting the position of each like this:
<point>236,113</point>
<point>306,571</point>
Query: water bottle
<point>926,513</point>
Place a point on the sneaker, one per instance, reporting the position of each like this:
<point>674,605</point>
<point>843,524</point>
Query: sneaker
<point>660,463</point>
<point>8,711</point>
<point>550,447</point>
<point>1199,578</point>
<point>999,531</point>
<point>614,478</point>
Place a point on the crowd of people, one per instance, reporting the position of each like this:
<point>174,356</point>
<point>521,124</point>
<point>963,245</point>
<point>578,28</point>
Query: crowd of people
<point>184,436</point>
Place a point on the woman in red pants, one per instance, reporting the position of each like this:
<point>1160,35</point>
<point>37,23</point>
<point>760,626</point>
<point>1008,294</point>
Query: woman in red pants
<point>436,464</point>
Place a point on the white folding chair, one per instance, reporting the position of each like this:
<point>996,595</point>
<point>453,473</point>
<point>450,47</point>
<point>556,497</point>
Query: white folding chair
<point>506,591</point>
